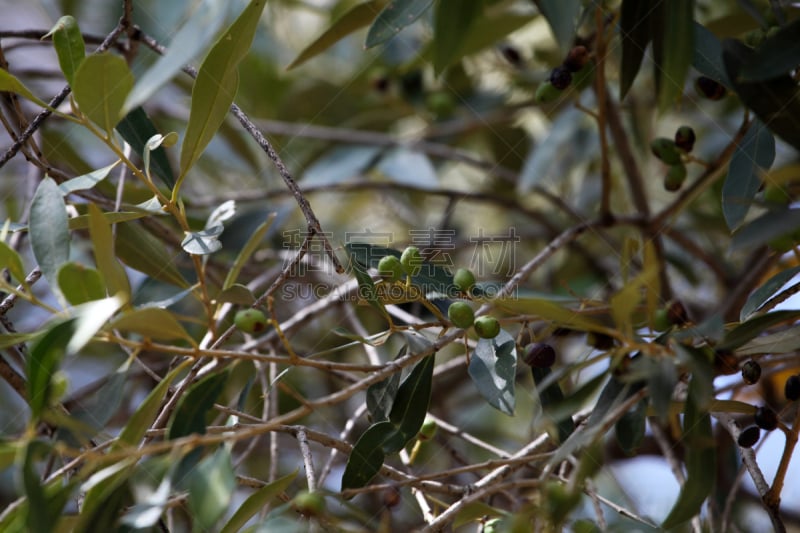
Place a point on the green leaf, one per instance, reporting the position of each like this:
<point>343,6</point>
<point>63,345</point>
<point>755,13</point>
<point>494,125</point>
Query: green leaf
<point>102,83</point>
<point>783,341</point>
<point>137,128</point>
<point>677,47</point>
<point>551,311</point>
<point>411,402</point>
<point>43,361</point>
<point>91,317</point>
<point>707,58</point>
<point>153,323</point>
<point>359,255</point>
<point>48,230</point>
<point>753,156</point>
<point>45,501</point>
<point>452,23</point>
<point>190,413</point>
<point>394,17</point>
<point>551,396</point>
<point>116,279</point>
<point>256,501</point>
<point>87,181</point>
<point>247,251</point>
<point>8,83</point>
<point>561,15</point>
<point>701,459</point>
<point>355,18</point>
<point>10,259</point>
<point>753,327</point>
<point>493,369</point>
<point>630,428</point>
<point>80,284</point>
<point>381,395</point>
<point>68,42</point>
<point>203,242</point>
<point>627,300</point>
<point>236,294</point>
<point>775,101</point>
<point>760,296</point>
<point>662,377</point>
<point>776,56</point>
<point>635,34</point>
<point>211,487</point>
<point>772,224</point>
<point>140,421</point>
<point>12,339</point>
<point>367,455</point>
<point>216,85</point>
<point>143,252</point>
<point>192,37</point>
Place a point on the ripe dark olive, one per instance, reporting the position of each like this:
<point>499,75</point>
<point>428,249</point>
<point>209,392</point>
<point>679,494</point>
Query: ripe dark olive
<point>411,260</point>
<point>539,355</point>
<point>665,150</point>
<point>460,314</point>
<point>561,78</point>
<point>792,388</point>
<point>708,88</point>
<point>600,341</point>
<point>748,437</point>
<point>391,497</point>
<point>250,321</point>
<point>464,280</point>
<point>576,58</point>
<point>391,269</point>
<point>751,372</point>
<point>684,138</point>
<point>487,327</point>
<point>675,177</point>
<point>765,418</point>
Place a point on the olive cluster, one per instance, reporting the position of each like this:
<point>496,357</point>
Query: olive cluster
<point>670,151</point>
<point>576,68</point>
<point>764,417</point>
<point>391,268</point>
<point>461,314</point>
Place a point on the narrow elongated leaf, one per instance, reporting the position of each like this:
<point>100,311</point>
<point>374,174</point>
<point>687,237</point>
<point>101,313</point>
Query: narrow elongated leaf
<point>80,284</point>
<point>10,259</point>
<point>452,23</point>
<point>380,397</point>
<point>772,224</point>
<point>68,42</point>
<point>411,402</point>
<point>87,181</point>
<point>783,341</point>
<point>677,50</point>
<point>753,156</point>
<point>562,16</point>
<point>634,29</point>
<point>143,252</point>
<point>45,501</point>
<point>116,279</point>
<point>367,455</point>
<point>754,327</point>
<point>190,413</point>
<point>247,251</point>
<point>9,83</point>
<point>102,82</point>
<point>776,56</point>
<point>354,19</point>
<point>211,488</point>
<point>136,128</point>
<point>493,369</point>
<point>549,310</point>
<point>630,428</point>
<point>203,242</point>
<point>216,85</point>
<point>43,361</point>
<point>90,318</point>
<point>551,396</point>
<point>256,501</point>
<point>153,323</point>
<point>48,230</point>
<point>394,17</point>
<point>775,101</point>
<point>192,37</point>
<point>760,296</point>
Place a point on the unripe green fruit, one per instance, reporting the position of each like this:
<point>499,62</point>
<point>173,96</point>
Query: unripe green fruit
<point>250,321</point>
<point>391,269</point>
<point>661,320</point>
<point>751,372</point>
<point>684,138</point>
<point>775,194</point>
<point>765,418</point>
<point>464,280</point>
<point>460,314</point>
<point>428,429</point>
<point>411,260</point>
<point>309,503</point>
<point>749,437</point>
<point>792,388</point>
<point>487,327</point>
<point>665,150</point>
<point>546,93</point>
<point>675,177</point>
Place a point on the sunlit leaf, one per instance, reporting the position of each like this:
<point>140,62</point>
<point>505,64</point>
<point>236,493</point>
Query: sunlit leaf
<point>760,296</point>
<point>355,18</point>
<point>753,156</point>
<point>10,259</point>
<point>102,83</point>
<point>493,369</point>
<point>8,83</point>
<point>394,17</point>
<point>68,42</point>
<point>203,242</point>
<point>87,181</point>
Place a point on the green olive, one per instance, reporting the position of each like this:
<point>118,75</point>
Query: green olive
<point>428,429</point>
<point>460,314</point>
<point>411,260</point>
<point>546,92</point>
<point>309,503</point>
<point>487,327</point>
<point>391,269</point>
<point>675,177</point>
<point>250,321</point>
<point>464,280</point>
<point>665,150</point>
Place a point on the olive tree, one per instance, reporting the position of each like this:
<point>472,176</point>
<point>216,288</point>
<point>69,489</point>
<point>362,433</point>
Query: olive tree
<point>399,264</point>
